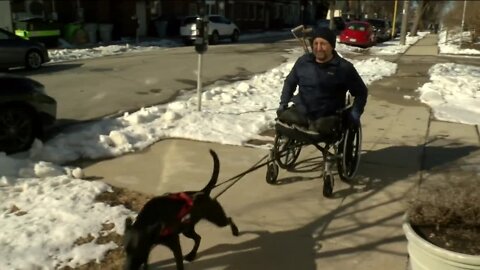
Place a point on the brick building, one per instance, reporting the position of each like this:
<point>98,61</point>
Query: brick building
<point>125,15</point>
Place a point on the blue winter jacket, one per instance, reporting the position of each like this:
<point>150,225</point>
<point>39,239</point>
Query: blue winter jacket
<point>323,87</point>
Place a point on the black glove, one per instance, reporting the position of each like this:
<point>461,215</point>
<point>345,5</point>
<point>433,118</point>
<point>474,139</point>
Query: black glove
<point>281,109</point>
<point>354,118</point>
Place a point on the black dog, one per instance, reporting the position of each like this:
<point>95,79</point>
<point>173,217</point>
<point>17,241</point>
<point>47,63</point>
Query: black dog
<point>163,218</point>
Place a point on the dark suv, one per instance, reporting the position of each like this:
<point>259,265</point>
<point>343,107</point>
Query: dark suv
<point>382,28</point>
<point>25,112</point>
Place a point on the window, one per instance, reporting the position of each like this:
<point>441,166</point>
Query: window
<point>260,12</point>
<point>244,12</point>
<point>253,12</point>
<point>277,11</point>
<point>192,8</point>
<point>224,20</point>
<point>215,19</point>
<point>211,7</point>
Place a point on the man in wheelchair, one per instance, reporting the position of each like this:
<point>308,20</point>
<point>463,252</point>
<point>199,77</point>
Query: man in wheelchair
<point>323,79</point>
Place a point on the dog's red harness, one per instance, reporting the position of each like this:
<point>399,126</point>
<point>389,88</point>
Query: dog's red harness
<point>183,215</point>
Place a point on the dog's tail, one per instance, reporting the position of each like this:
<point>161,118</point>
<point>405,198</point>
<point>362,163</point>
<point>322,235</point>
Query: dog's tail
<point>216,169</point>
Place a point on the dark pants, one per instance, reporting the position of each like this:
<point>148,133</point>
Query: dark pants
<point>325,125</point>
<point>293,116</point>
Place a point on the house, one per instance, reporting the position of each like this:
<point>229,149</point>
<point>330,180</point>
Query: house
<point>116,19</point>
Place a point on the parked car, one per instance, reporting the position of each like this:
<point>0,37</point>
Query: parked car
<point>358,33</point>
<point>219,27</point>
<point>16,51</point>
<point>382,28</point>
<point>25,112</point>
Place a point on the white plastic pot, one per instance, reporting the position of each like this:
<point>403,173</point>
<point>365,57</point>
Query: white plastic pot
<point>426,256</point>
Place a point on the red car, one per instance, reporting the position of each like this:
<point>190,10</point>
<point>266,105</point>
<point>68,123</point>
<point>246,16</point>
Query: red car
<point>358,33</point>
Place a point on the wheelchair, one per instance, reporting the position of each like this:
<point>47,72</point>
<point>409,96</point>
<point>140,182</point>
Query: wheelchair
<point>342,148</point>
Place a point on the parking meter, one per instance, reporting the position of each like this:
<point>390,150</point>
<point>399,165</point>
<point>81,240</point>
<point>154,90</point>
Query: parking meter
<point>201,40</point>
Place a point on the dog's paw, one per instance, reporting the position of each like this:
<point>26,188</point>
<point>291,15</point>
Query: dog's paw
<point>190,256</point>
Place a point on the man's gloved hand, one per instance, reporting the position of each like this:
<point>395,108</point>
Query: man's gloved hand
<point>354,118</point>
<point>281,109</point>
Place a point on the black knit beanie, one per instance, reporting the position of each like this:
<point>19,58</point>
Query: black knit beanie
<point>325,33</point>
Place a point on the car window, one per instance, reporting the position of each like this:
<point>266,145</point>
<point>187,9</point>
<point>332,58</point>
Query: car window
<point>215,19</point>
<point>225,20</point>
<point>357,27</point>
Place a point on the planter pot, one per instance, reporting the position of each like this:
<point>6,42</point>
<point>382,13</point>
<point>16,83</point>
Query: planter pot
<point>426,256</point>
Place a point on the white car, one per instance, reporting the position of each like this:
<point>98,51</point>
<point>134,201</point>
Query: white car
<point>219,27</point>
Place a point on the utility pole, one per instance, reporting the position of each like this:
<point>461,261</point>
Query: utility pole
<point>394,23</point>
<point>403,31</point>
<point>463,21</point>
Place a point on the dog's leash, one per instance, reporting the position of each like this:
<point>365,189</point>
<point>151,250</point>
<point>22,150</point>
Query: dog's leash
<point>236,178</point>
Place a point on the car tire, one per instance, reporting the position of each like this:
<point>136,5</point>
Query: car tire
<point>33,60</point>
<point>18,129</point>
<point>235,36</point>
<point>214,39</point>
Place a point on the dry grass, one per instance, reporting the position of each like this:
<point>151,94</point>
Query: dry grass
<point>114,258</point>
<point>447,214</point>
<point>446,203</point>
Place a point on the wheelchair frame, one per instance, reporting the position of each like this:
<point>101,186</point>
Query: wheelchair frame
<point>343,149</point>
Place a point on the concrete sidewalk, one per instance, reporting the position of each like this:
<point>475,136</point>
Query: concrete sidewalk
<point>290,225</point>
<point>425,46</point>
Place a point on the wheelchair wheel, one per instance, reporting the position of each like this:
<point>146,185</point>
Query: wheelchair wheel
<point>286,151</point>
<point>272,173</point>
<point>349,150</point>
<point>327,185</point>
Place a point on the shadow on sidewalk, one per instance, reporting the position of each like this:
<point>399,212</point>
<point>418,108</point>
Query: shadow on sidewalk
<point>365,226</point>
<point>302,248</point>
<point>399,162</point>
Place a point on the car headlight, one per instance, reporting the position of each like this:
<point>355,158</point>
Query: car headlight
<point>38,87</point>
<point>41,89</point>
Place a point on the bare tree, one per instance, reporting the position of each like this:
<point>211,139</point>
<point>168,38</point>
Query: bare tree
<point>427,10</point>
<point>356,6</point>
<point>332,14</point>
<point>379,9</point>
<point>452,17</point>
<point>403,32</point>
<point>418,16</point>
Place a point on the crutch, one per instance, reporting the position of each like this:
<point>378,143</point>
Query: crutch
<point>301,34</point>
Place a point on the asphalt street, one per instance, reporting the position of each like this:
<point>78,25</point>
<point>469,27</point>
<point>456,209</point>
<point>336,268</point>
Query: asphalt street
<point>94,88</point>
